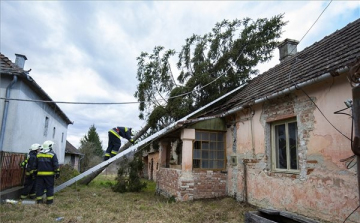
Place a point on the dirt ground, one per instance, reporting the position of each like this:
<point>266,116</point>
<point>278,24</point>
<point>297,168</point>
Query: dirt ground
<point>98,203</point>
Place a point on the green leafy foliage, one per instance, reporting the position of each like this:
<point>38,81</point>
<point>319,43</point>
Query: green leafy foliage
<point>128,177</point>
<point>67,173</point>
<point>93,137</point>
<point>209,66</point>
<point>91,147</point>
<point>90,158</point>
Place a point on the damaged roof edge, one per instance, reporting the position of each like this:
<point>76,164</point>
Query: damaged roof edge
<point>272,96</point>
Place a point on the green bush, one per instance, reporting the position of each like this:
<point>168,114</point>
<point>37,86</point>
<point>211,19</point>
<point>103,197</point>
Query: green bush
<point>67,172</point>
<point>128,177</point>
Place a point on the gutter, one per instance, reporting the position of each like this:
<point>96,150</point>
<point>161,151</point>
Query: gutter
<point>6,109</point>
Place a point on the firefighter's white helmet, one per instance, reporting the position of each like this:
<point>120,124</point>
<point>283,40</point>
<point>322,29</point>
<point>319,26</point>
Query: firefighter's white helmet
<point>47,146</point>
<point>35,146</point>
<point>133,132</point>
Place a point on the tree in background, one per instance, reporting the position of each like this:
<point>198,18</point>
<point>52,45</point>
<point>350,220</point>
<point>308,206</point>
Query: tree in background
<point>93,137</point>
<point>91,147</point>
<point>209,66</point>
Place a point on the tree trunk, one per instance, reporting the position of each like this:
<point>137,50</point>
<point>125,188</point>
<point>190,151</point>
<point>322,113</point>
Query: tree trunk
<point>92,176</point>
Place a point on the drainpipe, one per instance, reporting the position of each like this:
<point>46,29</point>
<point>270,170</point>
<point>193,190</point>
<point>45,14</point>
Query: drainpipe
<point>356,121</point>
<point>245,183</point>
<point>6,109</point>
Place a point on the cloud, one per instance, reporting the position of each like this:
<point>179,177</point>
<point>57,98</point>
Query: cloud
<point>85,51</point>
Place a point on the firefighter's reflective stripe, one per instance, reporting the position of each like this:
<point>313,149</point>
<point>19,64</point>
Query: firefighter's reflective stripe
<point>115,133</point>
<point>114,152</point>
<point>27,173</point>
<point>50,198</point>
<point>45,155</point>
<point>46,173</point>
<point>107,154</point>
<point>126,129</point>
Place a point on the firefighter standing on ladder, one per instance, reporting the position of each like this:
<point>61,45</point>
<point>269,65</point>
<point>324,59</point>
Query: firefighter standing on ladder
<point>114,140</point>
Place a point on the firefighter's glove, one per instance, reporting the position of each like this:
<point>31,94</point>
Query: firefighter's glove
<point>57,175</point>
<point>132,141</point>
<point>23,163</point>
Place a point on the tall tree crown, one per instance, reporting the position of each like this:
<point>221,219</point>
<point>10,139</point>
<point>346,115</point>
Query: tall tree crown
<point>208,66</point>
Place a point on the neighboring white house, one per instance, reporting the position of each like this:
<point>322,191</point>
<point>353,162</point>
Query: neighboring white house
<point>28,114</point>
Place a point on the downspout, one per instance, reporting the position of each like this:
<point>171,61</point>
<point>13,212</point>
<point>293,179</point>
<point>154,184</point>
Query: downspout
<point>252,132</point>
<point>6,109</point>
<point>245,183</point>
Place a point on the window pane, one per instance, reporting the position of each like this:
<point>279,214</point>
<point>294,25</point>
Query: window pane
<point>196,163</point>
<point>205,136</point>
<point>212,145</point>
<point>220,146</point>
<point>212,136</point>
<point>220,136</point>
<point>197,145</point>
<point>212,154</point>
<point>205,146</point>
<point>293,145</point>
<point>204,164</point>
<point>211,164</point>
<point>280,146</point>
<point>220,155</point>
<point>205,154</point>
<point>198,136</point>
<point>197,154</point>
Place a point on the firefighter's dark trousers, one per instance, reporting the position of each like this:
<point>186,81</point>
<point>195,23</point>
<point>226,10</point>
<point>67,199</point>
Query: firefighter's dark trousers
<point>113,146</point>
<point>45,183</point>
<point>29,188</point>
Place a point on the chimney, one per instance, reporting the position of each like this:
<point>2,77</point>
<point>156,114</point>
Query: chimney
<point>20,60</point>
<point>287,48</point>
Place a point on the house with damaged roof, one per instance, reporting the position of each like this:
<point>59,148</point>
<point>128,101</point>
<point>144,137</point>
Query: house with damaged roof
<point>282,141</point>
<point>28,116</point>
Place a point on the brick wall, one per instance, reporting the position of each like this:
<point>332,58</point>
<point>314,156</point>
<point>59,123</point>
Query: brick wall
<point>209,184</point>
<point>193,185</point>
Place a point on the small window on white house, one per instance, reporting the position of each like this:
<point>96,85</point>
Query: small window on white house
<point>46,126</point>
<point>284,146</point>
<point>209,150</point>
<point>54,130</point>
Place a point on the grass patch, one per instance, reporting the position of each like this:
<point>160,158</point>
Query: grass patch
<point>98,203</point>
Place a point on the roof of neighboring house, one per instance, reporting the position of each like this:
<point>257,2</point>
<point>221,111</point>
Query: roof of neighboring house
<point>70,149</point>
<point>336,51</point>
<point>9,68</point>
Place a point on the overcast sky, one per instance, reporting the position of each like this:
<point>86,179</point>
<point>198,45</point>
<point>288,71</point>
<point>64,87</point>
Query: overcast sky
<point>85,51</point>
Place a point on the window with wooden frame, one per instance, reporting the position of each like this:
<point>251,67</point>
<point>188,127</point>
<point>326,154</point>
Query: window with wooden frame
<point>284,144</point>
<point>209,150</point>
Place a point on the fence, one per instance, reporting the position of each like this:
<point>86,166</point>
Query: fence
<point>11,173</point>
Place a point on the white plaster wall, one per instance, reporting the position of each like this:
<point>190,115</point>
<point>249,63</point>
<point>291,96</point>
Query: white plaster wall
<point>26,122</point>
<point>325,188</point>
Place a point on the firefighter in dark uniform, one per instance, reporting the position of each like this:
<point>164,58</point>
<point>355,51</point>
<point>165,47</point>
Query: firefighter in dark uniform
<point>114,143</point>
<point>47,168</point>
<point>30,174</point>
